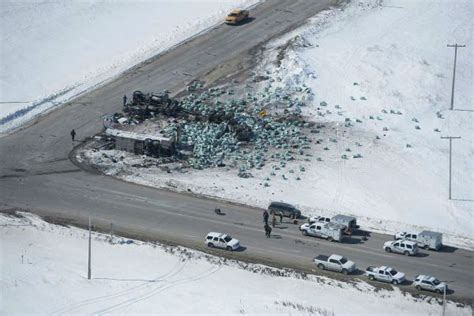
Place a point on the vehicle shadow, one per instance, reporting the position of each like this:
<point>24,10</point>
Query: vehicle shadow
<point>281,227</point>
<point>352,241</point>
<point>240,249</point>
<point>275,236</point>
<point>358,272</point>
<point>248,20</point>
<point>448,249</point>
<point>361,233</point>
<point>407,282</point>
<point>421,255</point>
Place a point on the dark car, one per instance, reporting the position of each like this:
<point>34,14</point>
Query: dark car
<point>284,209</point>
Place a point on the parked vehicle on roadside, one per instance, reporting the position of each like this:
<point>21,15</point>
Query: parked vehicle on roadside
<point>318,219</point>
<point>284,209</point>
<point>426,239</point>
<point>329,231</point>
<point>429,283</point>
<point>220,240</point>
<point>385,274</point>
<point>349,221</point>
<point>334,263</point>
<point>406,247</point>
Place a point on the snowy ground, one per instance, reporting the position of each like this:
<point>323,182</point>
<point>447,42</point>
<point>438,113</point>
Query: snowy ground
<point>383,69</point>
<point>44,271</point>
<point>52,51</point>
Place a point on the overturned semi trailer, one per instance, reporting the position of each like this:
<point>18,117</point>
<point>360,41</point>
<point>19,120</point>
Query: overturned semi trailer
<point>141,144</point>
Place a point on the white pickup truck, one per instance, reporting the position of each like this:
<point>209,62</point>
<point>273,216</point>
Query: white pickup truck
<point>334,263</point>
<point>385,274</point>
<point>318,219</point>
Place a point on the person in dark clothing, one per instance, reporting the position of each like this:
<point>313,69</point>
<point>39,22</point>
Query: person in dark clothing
<point>124,99</point>
<point>265,217</point>
<point>268,230</point>
<point>274,221</point>
<point>73,134</point>
<point>281,218</point>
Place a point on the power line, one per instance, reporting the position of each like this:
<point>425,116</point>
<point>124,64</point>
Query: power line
<point>454,71</point>
<point>450,158</point>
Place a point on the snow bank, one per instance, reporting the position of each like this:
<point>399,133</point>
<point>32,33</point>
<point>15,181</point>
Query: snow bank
<point>385,68</point>
<point>44,271</point>
<point>51,51</point>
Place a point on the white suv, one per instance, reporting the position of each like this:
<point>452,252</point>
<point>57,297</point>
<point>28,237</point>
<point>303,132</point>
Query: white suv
<point>406,247</point>
<point>426,282</point>
<point>223,241</point>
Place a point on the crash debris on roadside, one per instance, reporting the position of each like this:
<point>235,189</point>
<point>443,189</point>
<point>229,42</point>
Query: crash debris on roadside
<point>213,128</point>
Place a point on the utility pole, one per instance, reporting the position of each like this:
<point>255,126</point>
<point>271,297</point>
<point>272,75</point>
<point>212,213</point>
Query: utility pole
<point>454,71</point>
<point>89,261</point>
<point>450,158</point>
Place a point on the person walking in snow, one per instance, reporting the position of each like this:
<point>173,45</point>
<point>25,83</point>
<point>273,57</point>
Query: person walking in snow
<point>124,99</point>
<point>281,218</point>
<point>73,134</point>
<point>274,221</point>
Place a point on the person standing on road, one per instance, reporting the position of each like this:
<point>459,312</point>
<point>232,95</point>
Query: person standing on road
<point>281,218</point>
<point>274,220</point>
<point>265,217</point>
<point>124,99</point>
<point>73,134</point>
<point>268,230</point>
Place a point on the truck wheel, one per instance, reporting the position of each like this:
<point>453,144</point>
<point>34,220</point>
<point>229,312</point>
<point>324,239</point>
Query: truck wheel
<point>321,266</point>
<point>388,249</point>
<point>329,238</point>
<point>229,248</point>
<point>395,282</point>
<point>371,277</point>
<point>305,233</point>
<point>210,245</point>
<point>406,253</point>
<point>425,247</point>
<point>345,272</point>
<point>418,287</point>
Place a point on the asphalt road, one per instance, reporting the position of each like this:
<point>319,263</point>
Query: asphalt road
<point>37,175</point>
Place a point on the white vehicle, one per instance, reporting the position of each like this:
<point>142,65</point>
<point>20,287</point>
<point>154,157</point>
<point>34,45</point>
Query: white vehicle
<point>426,239</point>
<point>334,263</point>
<point>406,247</point>
<point>224,241</point>
<point>329,231</point>
<point>426,282</point>
<point>349,221</point>
<point>319,219</point>
<point>385,274</point>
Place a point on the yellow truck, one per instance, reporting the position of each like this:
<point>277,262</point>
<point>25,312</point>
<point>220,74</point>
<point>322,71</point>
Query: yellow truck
<point>236,16</point>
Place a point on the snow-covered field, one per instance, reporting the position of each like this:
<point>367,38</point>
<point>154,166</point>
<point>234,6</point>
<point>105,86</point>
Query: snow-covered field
<point>44,271</point>
<point>383,68</point>
<point>52,51</point>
